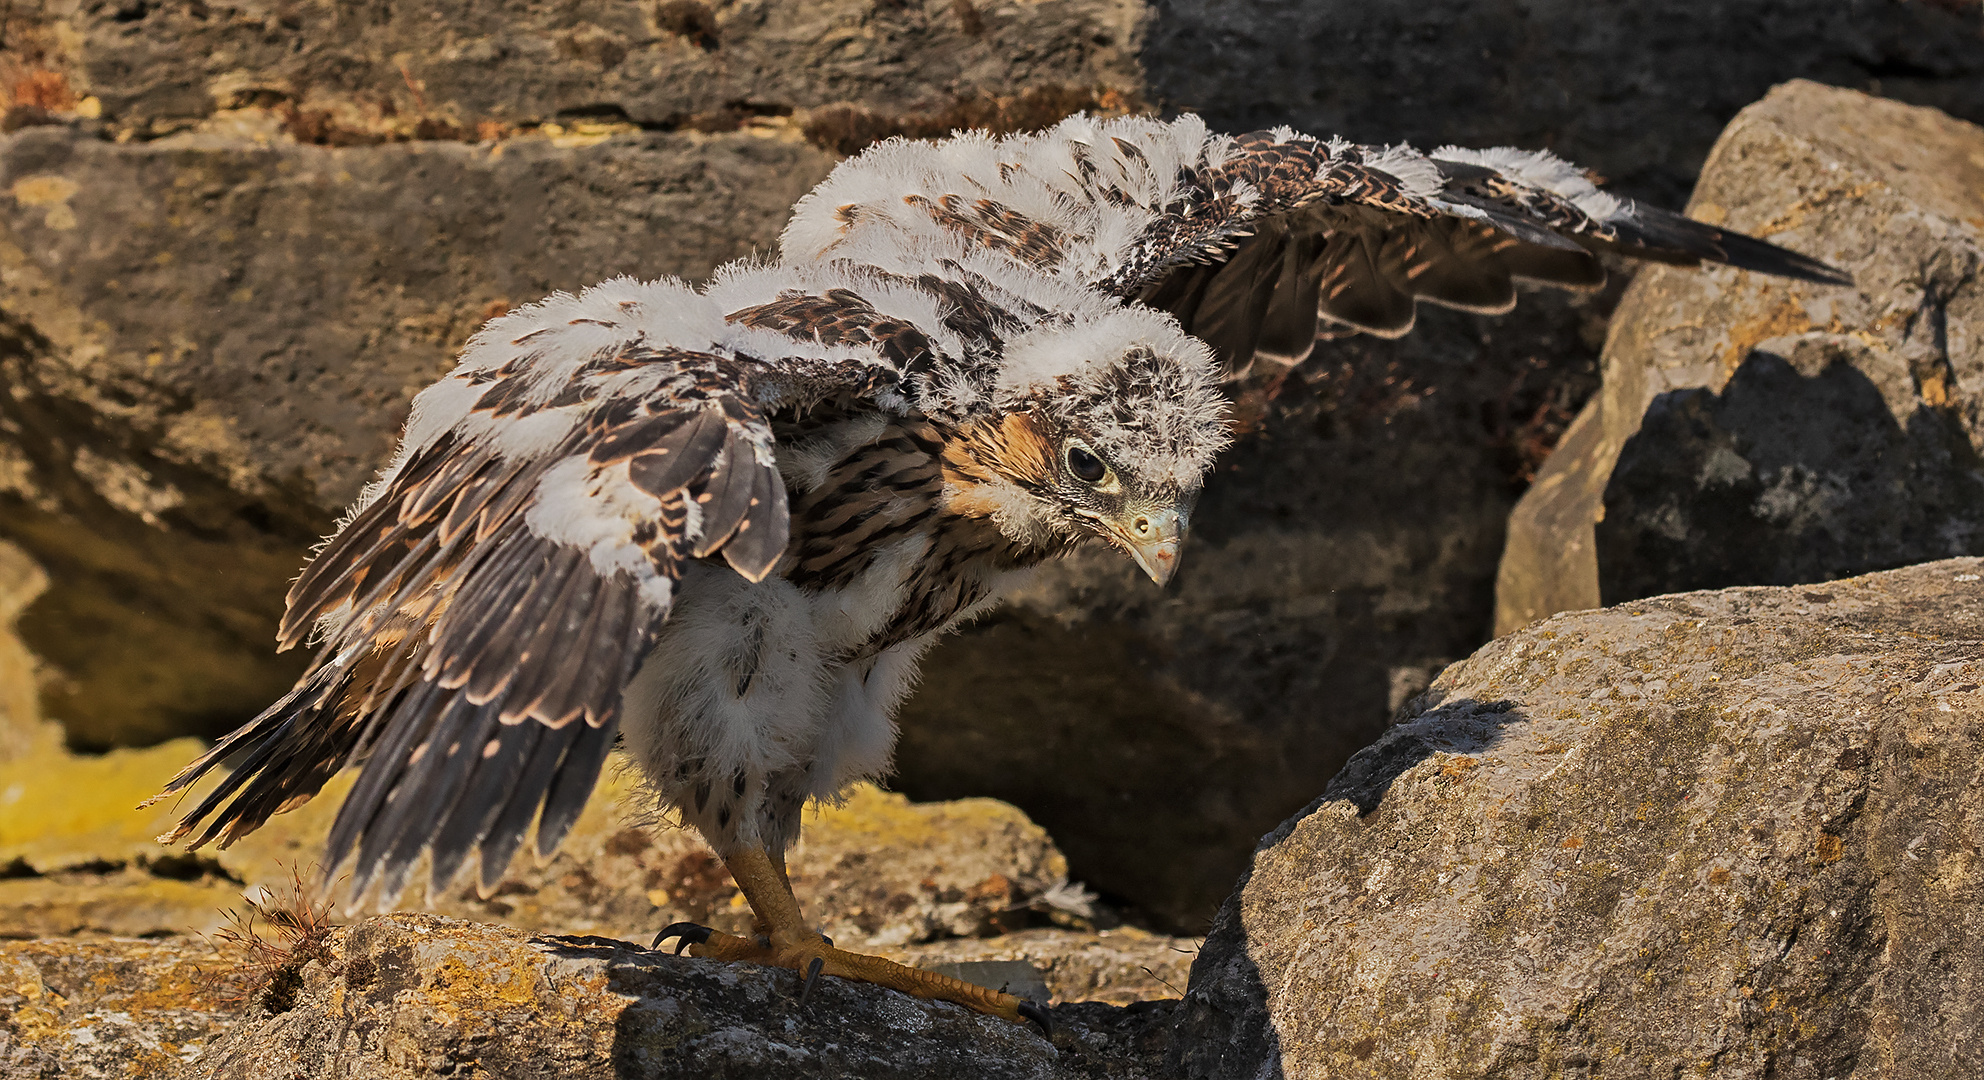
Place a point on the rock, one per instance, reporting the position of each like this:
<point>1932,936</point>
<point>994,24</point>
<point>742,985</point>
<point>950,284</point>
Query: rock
<point>1758,431</point>
<point>418,995</point>
<point>1637,93</point>
<point>1731,833</point>
<point>102,1009</point>
<point>445,69</point>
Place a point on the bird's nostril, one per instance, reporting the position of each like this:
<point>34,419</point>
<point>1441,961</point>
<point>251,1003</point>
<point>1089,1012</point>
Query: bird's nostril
<point>1143,524</point>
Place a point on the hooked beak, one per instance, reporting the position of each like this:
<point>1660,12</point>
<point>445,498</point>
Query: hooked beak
<point>1152,537</point>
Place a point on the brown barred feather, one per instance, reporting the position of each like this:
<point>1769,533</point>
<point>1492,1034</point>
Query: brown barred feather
<point>760,538</point>
<point>993,225</point>
<point>724,497</point>
<point>667,464</point>
<point>841,317</point>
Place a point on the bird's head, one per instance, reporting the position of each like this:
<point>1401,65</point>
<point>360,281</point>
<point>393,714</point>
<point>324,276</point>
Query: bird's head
<point>1105,427</point>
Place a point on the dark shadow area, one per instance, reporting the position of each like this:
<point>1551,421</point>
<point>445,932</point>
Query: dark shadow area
<point>1638,92</point>
<point>1224,1027</point>
<point>1785,478</point>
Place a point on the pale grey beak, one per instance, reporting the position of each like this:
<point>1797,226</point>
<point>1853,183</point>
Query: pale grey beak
<point>1153,537</point>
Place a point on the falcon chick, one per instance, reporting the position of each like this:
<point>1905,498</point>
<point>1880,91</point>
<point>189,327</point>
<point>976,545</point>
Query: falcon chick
<point>721,524</point>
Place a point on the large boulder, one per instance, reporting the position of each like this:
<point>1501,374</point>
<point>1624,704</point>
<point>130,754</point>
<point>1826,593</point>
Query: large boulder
<point>1722,833</point>
<point>1759,431</point>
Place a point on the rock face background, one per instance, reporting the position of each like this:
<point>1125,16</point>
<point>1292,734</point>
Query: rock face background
<point>238,237</point>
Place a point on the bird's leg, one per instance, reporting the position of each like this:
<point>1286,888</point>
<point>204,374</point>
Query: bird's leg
<point>790,943</point>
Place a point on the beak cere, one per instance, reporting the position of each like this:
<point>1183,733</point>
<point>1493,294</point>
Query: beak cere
<point>1152,536</point>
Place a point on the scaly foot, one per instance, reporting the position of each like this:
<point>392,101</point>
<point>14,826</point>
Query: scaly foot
<point>817,956</point>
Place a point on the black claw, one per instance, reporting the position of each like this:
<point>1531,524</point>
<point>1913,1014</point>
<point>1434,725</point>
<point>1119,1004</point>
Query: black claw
<point>1039,1015</point>
<point>812,980</point>
<point>689,932</point>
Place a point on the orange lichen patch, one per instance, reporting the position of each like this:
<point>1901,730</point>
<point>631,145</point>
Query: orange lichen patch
<point>1719,876</point>
<point>1572,843</point>
<point>508,980</point>
<point>1786,317</point>
<point>1796,214</point>
<point>1828,848</point>
<point>1935,391</point>
<point>40,89</point>
<point>1455,769</point>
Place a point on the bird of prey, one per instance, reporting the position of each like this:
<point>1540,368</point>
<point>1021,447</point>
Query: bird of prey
<point>720,524</point>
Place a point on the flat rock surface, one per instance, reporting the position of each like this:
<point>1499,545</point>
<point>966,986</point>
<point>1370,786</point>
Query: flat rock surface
<point>1754,430</point>
<point>1731,834</point>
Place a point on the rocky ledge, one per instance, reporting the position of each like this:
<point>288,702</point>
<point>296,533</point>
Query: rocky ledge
<point>417,995</point>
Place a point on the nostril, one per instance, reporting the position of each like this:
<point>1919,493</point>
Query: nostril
<point>1143,525</point>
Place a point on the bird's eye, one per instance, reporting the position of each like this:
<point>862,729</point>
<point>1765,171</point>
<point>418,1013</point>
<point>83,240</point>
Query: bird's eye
<point>1085,465</point>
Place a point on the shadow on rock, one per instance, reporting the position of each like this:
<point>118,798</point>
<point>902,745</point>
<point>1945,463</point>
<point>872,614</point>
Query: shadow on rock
<point>1798,471</point>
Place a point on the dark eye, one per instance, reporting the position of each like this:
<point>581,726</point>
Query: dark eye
<point>1086,465</point>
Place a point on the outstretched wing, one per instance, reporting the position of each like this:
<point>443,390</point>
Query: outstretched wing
<point>482,610</point>
<point>1260,241</point>
<point>1336,237</point>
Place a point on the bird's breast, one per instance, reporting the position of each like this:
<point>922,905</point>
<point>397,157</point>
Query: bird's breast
<point>874,541</point>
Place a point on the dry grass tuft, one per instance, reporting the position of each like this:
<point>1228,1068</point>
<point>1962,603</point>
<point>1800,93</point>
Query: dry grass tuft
<point>272,937</point>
